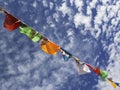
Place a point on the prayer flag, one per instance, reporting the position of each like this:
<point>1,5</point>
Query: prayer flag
<point>118,84</point>
<point>111,82</point>
<point>66,55</point>
<point>1,10</point>
<point>103,74</point>
<point>96,70</point>
<point>11,23</point>
<point>32,34</point>
<point>82,67</point>
<point>49,47</point>
<point>24,29</point>
<point>37,37</point>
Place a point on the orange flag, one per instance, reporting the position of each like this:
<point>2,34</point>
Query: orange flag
<point>11,23</point>
<point>49,47</point>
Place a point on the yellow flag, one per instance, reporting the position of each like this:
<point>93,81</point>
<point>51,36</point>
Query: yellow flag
<point>49,47</point>
<point>112,83</point>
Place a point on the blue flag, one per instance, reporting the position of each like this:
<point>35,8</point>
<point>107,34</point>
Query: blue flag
<point>66,55</point>
<point>118,84</point>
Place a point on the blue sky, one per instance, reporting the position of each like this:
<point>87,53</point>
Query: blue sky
<point>88,29</point>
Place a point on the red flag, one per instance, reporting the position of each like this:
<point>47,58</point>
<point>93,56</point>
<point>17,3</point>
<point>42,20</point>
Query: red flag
<point>11,23</point>
<point>96,70</point>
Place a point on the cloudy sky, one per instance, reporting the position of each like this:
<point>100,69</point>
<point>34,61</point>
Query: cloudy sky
<point>89,29</point>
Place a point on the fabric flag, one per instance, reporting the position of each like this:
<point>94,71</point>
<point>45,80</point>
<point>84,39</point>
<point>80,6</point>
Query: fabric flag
<point>118,84</point>
<point>37,37</point>
<point>82,67</point>
<point>66,55</point>
<point>32,34</point>
<point>1,10</point>
<point>49,47</point>
<point>24,29</point>
<point>103,74</point>
<point>11,23</point>
<point>111,82</point>
<point>96,70</point>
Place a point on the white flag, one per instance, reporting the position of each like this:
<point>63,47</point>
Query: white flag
<point>82,67</point>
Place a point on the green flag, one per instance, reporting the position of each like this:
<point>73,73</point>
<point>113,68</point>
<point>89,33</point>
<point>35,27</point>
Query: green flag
<point>37,37</point>
<point>103,74</point>
<point>24,29</point>
<point>32,34</point>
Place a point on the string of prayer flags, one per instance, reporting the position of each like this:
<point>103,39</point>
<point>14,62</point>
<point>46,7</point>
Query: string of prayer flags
<point>49,47</point>
<point>103,74</point>
<point>82,67</point>
<point>66,55</point>
<point>111,82</point>
<point>32,34</point>
<point>96,70</point>
<point>11,23</point>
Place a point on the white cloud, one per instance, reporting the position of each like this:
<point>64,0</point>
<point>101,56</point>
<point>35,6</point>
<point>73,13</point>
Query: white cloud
<point>45,4</point>
<point>66,10</point>
<point>89,12</point>
<point>71,1</point>
<point>34,4</point>
<point>56,17</point>
<point>117,39</point>
<point>95,32</point>
<point>36,21</point>
<point>79,4</point>
<point>80,19</point>
<point>70,32</point>
<point>51,5</point>
<point>93,3</point>
<point>101,12</point>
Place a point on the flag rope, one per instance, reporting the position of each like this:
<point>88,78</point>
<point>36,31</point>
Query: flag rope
<point>11,23</point>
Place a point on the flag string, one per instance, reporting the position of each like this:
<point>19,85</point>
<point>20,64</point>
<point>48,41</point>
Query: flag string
<point>11,23</point>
